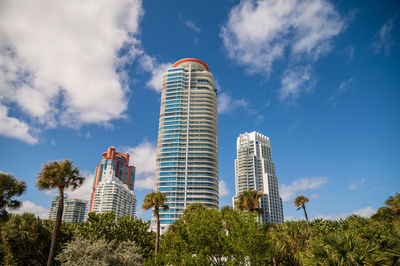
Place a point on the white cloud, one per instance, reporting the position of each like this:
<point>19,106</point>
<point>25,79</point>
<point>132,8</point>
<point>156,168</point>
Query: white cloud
<point>289,218</point>
<point>294,81</point>
<point>196,30</point>
<point>190,24</point>
<point>383,38</point>
<point>29,206</point>
<point>144,183</point>
<point>53,142</point>
<point>289,192</point>
<point>260,33</point>
<point>156,69</point>
<point>143,157</point>
<point>226,104</point>
<point>13,128</point>
<point>84,192</point>
<point>363,212</point>
<point>357,183</point>
<point>223,188</point>
<point>60,62</point>
<point>343,87</point>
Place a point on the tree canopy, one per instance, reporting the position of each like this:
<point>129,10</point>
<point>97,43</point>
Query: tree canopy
<point>10,187</point>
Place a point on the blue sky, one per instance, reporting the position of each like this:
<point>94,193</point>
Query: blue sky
<point>320,78</point>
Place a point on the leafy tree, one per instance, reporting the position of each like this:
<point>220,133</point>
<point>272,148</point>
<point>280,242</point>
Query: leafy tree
<point>246,242</point>
<point>99,226</point>
<point>194,208</point>
<point>60,175</point>
<point>226,209</point>
<point>205,236</point>
<point>25,239</point>
<point>82,251</point>
<point>9,187</point>
<point>249,201</point>
<point>300,202</point>
<point>67,233</point>
<point>155,200</point>
<point>134,229</point>
<point>105,226</point>
<point>198,238</point>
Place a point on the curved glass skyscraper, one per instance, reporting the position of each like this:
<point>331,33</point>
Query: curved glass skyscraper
<point>187,150</point>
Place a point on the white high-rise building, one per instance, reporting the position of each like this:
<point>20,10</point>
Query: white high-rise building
<point>254,170</point>
<point>187,150</point>
<point>113,195</point>
<point>73,211</point>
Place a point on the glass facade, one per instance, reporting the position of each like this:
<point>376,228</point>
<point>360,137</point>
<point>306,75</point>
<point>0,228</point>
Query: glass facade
<point>187,150</point>
<point>73,212</point>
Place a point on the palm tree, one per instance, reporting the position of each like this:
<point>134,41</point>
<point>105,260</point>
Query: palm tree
<point>9,187</point>
<point>344,248</point>
<point>394,203</point>
<point>300,202</point>
<point>249,200</point>
<point>156,200</point>
<point>62,176</point>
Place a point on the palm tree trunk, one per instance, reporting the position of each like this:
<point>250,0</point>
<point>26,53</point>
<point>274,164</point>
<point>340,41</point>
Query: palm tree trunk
<point>57,225</point>
<point>157,230</point>
<point>305,214</point>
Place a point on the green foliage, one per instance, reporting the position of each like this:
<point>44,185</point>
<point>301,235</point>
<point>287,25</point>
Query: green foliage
<point>290,242</point>
<point>196,239</point>
<point>394,203</point>
<point>61,175</point>
<point>99,226</point>
<point>245,241</point>
<point>210,237</point>
<point>300,202</point>
<point>391,211</point>
<point>25,240</point>
<point>105,226</point>
<point>156,200</point>
<point>134,229</point>
<point>67,232</point>
<point>249,201</point>
<point>9,187</point>
<point>344,248</point>
<point>82,251</point>
<point>383,213</point>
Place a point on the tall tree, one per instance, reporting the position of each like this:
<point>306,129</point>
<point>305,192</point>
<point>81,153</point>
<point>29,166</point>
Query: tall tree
<point>249,200</point>
<point>26,240</point>
<point>394,203</point>
<point>300,202</point>
<point>61,175</point>
<point>9,188</point>
<point>156,200</point>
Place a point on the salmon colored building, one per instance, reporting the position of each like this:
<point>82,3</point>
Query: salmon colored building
<point>119,163</point>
